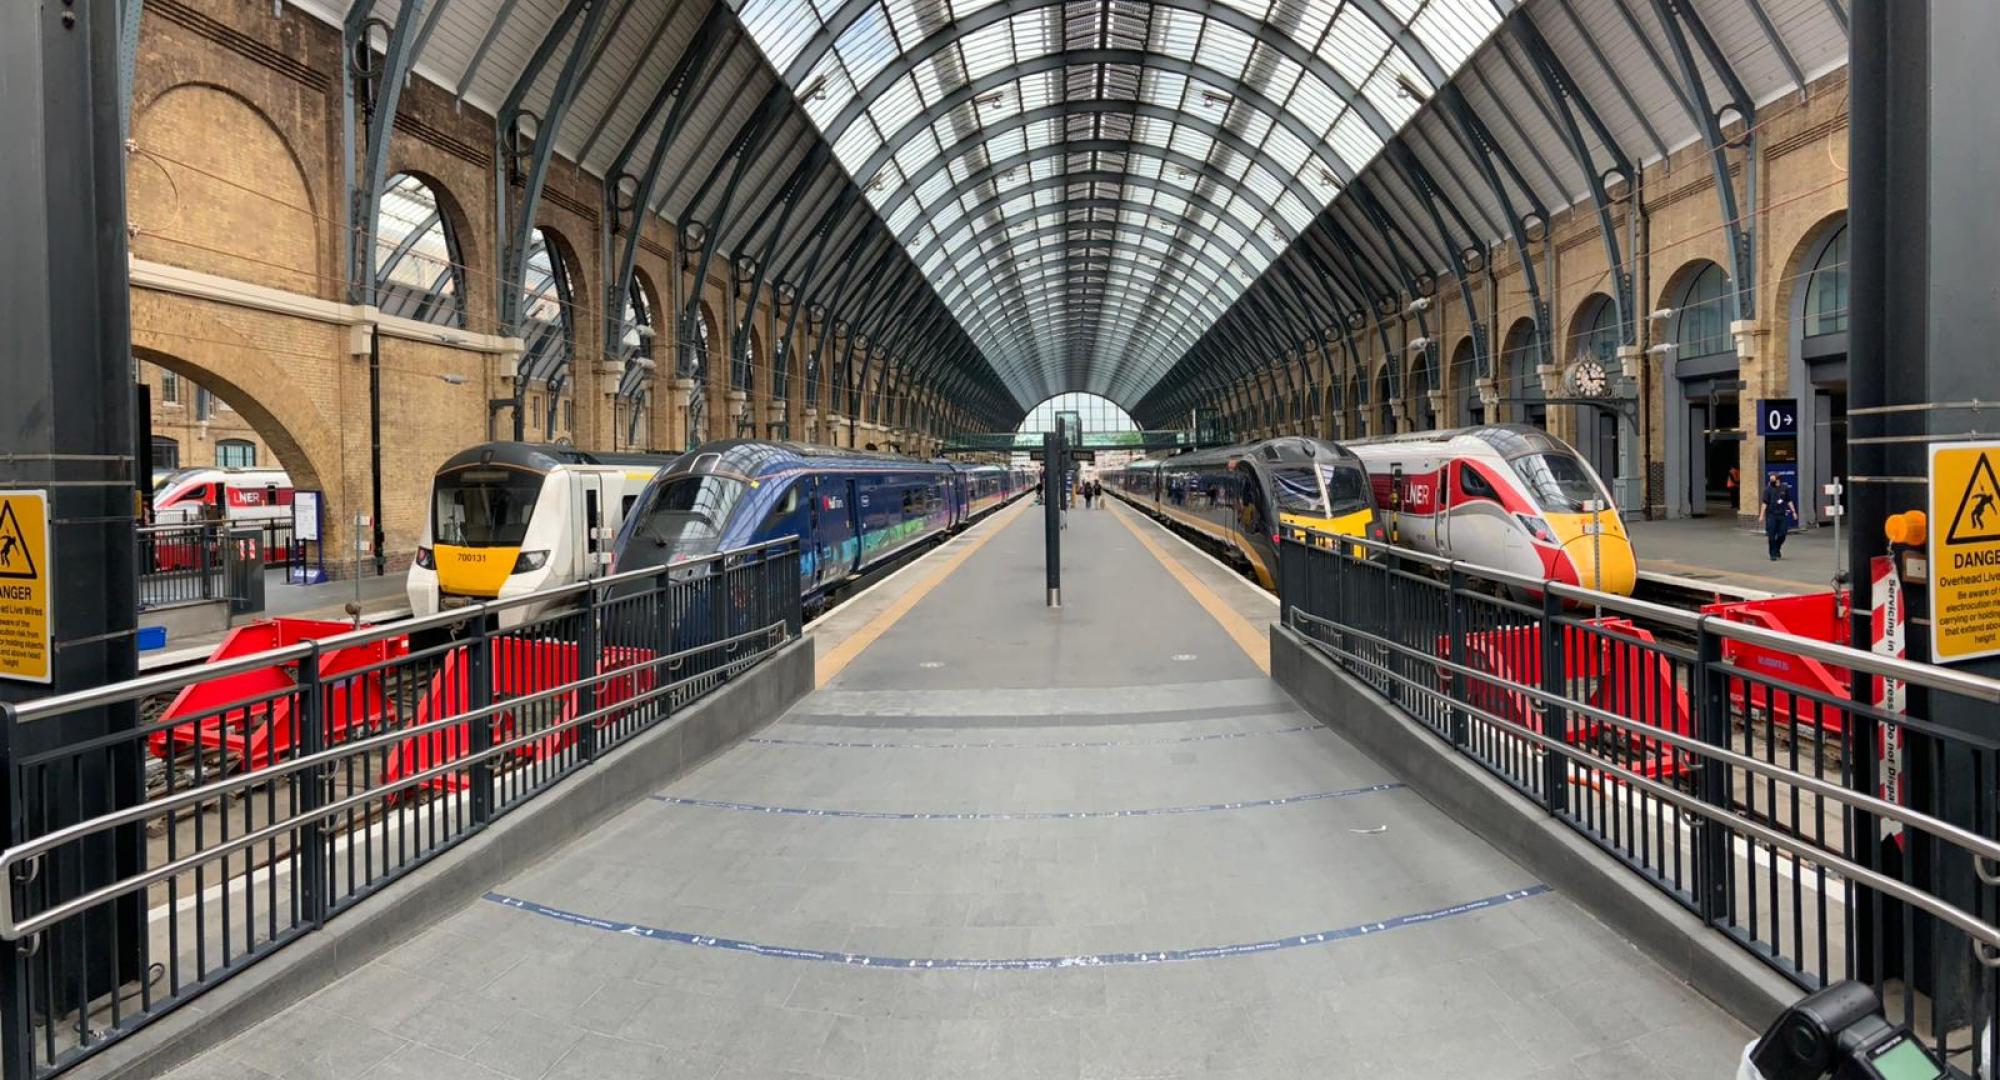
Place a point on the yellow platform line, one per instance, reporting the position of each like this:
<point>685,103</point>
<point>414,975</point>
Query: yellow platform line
<point>834,660</point>
<point>1236,626</point>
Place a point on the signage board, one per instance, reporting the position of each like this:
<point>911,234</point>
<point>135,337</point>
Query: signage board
<point>1964,550</point>
<point>1778,416</point>
<point>24,586</point>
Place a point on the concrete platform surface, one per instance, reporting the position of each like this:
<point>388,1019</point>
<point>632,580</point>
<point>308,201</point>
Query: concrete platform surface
<point>1005,841</point>
<point>1731,551</point>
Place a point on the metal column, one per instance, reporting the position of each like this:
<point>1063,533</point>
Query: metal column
<point>1921,329</point>
<point>66,403</point>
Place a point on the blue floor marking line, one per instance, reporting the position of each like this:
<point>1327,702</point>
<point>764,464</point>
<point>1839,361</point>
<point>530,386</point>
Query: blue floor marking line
<point>1070,744</point>
<point>1029,963</point>
<point>1037,815</point>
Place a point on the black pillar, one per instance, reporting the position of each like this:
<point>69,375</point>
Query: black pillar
<point>66,411</point>
<point>1923,319</point>
<point>1052,493</point>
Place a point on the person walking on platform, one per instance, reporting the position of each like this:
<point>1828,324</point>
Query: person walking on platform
<point>1777,512</point>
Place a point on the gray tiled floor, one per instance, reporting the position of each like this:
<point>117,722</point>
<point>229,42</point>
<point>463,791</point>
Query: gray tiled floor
<point>981,701</point>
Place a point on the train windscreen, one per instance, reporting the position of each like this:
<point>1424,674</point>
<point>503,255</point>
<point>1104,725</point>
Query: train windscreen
<point>484,507</point>
<point>687,513</point>
<point>1559,482</point>
<point>1297,491</point>
<point>1346,488</point>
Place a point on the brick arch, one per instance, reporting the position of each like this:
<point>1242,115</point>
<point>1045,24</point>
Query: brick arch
<point>294,430</point>
<point>214,185</point>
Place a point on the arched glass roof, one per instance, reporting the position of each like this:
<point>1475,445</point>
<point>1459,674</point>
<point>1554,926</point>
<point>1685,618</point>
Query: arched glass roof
<point>1090,183</point>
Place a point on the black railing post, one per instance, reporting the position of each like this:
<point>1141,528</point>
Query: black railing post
<point>312,781</point>
<point>17,1039</point>
<point>479,730</point>
<point>1711,869</point>
<point>590,696</point>
<point>1386,620</point>
<point>789,592</point>
<point>1454,635</point>
<point>1289,568</point>
<point>1555,718</point>
<point>202,537</point>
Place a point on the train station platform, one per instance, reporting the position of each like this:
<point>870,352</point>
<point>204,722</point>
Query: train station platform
<point>1002,840</point>
<point>1728,554</point>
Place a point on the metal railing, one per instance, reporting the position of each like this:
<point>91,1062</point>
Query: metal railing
<point>254,799</point>
<point>181,564</point>
<point>1751,801</point>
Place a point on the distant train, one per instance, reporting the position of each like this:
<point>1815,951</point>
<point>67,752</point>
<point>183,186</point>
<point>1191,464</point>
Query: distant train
<point>852,510</point>
<point>1509,496</point>
<point>239,496</point>
<point>507,518</point>
<point>1243,497</point>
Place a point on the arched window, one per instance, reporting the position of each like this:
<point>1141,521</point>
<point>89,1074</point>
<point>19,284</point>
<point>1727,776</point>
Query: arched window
<point>1826,288</point>
<point>635,346</point>
<point>1597,337</point>
<point>1701,326</point>
<point>1096,413</point>
<point>1424,417</point>
<point>1521,391</point>
<point>547,312</point>
<point>1465,369</point>
<point>166,454</point>
<point>1385,416</point>
<point>236,454</point>
<point>419,273</point>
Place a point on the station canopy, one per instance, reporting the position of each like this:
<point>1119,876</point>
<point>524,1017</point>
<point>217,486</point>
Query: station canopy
<point>1114,196</point>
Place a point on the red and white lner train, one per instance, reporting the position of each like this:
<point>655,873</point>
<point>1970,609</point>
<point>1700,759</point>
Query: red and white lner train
<point>240,496</point>
<point>1509,496</point>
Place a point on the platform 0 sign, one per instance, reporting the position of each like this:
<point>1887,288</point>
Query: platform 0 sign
<point>24,585</point>
<point>1965,551</point>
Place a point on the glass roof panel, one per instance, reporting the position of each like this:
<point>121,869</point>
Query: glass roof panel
<point>1191,208</point>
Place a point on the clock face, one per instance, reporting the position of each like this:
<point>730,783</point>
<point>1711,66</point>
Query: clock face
<point>1590,379</point>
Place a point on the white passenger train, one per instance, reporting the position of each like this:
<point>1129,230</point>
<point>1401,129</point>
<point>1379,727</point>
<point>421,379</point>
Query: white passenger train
<point>510,518</point>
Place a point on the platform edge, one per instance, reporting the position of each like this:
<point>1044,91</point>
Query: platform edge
<point>1672,936</point>
<point>617,780</point>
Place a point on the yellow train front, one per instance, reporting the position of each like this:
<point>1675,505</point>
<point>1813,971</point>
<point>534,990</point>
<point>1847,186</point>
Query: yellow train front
<point>1244,499</point>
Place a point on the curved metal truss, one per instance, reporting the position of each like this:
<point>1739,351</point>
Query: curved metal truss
<point>1216,132</point>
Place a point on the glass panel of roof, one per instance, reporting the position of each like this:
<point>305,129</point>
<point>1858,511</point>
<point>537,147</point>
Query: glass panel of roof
<point>857,145</point>
<point>868,46</point>
<point>1225,49</point>
<point>986,50</point>
<point>1354,45</point>
<point>897,105</point>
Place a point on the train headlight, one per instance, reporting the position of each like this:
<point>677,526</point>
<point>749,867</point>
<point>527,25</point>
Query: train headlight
<point>1537,528</point>
<point>425,560</point>
<point>530,560</point>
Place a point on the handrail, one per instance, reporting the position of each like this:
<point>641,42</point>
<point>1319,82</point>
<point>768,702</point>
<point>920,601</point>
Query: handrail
<point>1931,676</point>
<point>1982,932</point>
<point>1861,800</point>
<point>12,930</point>
<point>162,681</point>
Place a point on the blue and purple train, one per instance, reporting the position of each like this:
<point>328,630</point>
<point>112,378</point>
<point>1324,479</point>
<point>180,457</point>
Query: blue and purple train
<point>852,510</point>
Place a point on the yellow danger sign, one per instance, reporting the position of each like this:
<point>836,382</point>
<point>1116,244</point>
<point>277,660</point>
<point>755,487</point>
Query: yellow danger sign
<point>24,585</point>
<point>1965,550</point>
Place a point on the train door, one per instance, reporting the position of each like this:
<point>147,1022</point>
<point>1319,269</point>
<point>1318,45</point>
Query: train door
<point>830,518</point>
<point>593,538</point>
<point>1442,512</point>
